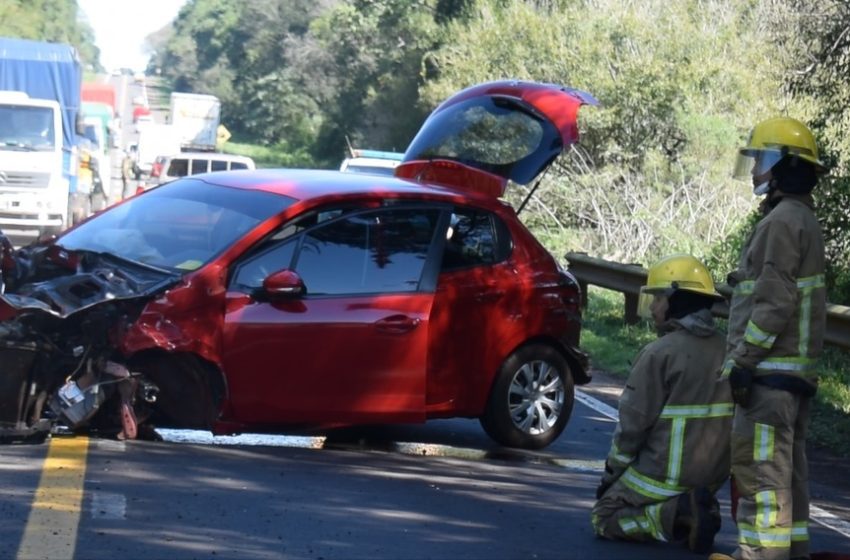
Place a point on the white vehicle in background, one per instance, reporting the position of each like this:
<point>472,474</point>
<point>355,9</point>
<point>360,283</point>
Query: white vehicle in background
<point>197,117</point>
<point>154,140</point>
<point>371,161</point>
<point>39,103</point>
<point>174,166</point>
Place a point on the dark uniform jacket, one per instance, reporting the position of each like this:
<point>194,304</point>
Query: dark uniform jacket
<point>675,413</point>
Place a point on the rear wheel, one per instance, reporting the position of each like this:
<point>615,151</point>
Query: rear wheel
<point>531,399</point>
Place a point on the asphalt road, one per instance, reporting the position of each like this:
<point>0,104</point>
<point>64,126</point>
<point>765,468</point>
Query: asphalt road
<point>442,490</point>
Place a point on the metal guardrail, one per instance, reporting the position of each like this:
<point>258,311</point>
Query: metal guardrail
<point>628,279</point>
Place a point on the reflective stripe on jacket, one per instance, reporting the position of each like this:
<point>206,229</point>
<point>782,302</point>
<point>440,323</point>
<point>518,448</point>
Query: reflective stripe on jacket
<point>675,413</point>
<point>778,310</point>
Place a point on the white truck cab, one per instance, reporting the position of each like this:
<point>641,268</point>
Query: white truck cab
<point>33,189</point>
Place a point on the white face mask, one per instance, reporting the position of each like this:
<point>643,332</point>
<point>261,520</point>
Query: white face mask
<point>762,188</point>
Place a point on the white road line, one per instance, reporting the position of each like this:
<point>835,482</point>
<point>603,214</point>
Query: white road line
<point>818,515</point>
<point>597,405</point>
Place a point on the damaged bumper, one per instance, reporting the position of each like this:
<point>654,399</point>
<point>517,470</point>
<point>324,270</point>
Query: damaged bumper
<point>62,321</point>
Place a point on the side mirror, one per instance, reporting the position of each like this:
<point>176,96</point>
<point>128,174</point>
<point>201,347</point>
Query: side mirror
<point>284,283</point>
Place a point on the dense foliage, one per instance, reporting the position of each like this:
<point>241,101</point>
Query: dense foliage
<point>680,85</point>
<point>56,21</point>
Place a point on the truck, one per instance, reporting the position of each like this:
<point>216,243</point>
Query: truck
<point>96,92</point>
<point>39,104</point>
<point>99,100</point>
<point>155,140</point>
<point>197,117</point>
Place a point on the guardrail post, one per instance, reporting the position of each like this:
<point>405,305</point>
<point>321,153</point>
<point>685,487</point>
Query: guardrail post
<point>624,278</point>
<point>631,316</point>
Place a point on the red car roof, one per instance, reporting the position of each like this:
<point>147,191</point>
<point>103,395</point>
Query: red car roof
<point>304,184</point>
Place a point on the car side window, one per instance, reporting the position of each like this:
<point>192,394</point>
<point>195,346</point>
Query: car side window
<point>346,250</point>
<point>250,275</point>
<point>474,238</point>
<point>218,165</point>
<point>238,165</point>
<point>376,251</point>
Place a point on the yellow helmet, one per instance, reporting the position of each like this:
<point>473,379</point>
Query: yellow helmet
<point>676,272</point>
<point>771,140</point>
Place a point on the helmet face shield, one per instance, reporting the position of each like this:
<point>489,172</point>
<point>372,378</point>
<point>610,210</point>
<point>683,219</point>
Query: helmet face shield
<point>754,163</point>
<point>645,299</point>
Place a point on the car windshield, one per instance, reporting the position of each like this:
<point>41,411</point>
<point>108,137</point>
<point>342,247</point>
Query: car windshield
<point>495,134</point>
<point>179,226</point>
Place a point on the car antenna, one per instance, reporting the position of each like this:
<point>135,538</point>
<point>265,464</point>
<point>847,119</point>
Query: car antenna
<point>534,188</point>
<point>350,149</point>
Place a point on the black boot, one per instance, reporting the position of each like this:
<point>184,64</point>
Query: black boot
<point>697,519</point>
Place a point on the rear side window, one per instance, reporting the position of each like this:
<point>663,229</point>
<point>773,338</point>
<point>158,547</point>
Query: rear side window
<point>238,165</point>
<point>178,168</point>
<point>218,165</point>
<point>475,238</point>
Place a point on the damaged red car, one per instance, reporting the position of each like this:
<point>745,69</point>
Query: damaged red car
<point>296,301</point>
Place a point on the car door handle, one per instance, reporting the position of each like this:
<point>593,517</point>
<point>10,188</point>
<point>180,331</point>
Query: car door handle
<point>489,296</point>
<point>397,324</point>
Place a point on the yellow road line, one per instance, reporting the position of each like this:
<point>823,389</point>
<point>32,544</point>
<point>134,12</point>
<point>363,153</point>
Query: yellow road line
<point>51,530</point>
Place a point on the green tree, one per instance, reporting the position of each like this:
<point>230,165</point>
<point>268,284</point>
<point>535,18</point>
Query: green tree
<point>376,49</point>
<point>679,85</point>
<point>55,21</point>
<point>817,46</point>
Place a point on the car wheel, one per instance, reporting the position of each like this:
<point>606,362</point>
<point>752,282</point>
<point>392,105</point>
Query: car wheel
<point>531,399</point>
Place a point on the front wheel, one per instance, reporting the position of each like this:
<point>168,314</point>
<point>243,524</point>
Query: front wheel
<point>531,399</point>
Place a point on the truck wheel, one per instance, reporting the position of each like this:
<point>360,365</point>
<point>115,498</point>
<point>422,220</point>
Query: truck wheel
<point>531,399</point>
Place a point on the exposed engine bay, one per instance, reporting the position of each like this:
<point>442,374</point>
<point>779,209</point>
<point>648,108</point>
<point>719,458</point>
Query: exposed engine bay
<point>61,317</point>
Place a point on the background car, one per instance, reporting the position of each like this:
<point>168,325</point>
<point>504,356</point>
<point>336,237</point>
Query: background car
<point>371,161</point>
<point>291,300</point>
<point>169,167</point>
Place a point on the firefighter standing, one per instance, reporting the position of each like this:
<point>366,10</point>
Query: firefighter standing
<point>127,164</point>
<point>670,450</point>
<point>776,329</point>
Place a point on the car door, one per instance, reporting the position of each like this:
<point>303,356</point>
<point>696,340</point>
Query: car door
<point>476,309</point>
<point>353,348</point>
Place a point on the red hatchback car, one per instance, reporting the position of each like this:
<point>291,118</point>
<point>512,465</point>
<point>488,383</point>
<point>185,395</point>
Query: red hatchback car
<point>293,300</point>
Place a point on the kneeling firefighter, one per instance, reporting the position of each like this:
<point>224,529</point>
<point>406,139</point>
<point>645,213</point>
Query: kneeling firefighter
<point>670,449</point>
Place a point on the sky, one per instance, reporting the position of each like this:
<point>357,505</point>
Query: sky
<point>120,28</point>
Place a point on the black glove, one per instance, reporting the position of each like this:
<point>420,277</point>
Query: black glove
<point>741,382</point>
<point>602,488</point>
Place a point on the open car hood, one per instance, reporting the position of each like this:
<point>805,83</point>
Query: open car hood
<point>98,279</point>
<point>485,135</point>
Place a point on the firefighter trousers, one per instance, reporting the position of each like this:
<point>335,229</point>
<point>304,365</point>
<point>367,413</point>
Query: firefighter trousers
<point>623,514</point>
<point>771,471</point>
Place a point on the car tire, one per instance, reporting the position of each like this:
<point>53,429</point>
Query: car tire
<point>521,414</point>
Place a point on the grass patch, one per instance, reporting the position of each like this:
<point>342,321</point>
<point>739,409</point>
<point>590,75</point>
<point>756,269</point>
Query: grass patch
<point>269,156</point>
<point>830,426</point>
<point>613,345</point>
